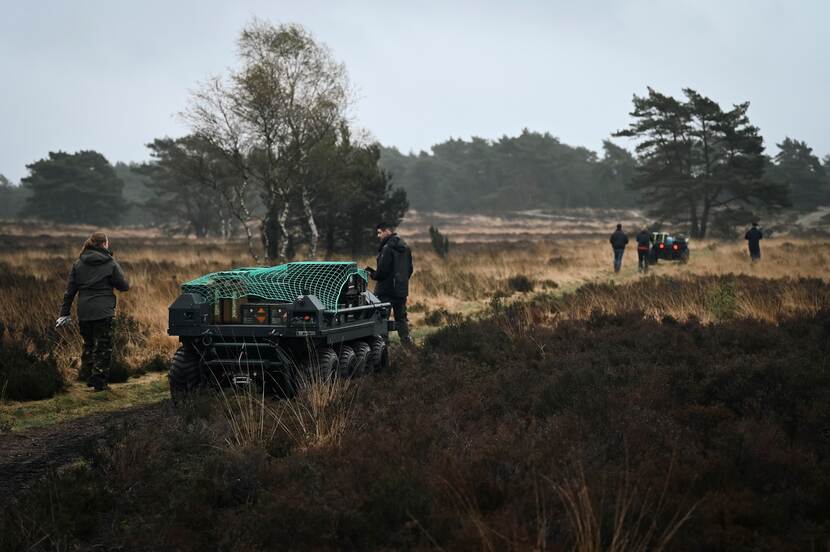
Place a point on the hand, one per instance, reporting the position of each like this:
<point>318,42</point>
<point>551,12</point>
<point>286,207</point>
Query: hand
<point>62,321</point>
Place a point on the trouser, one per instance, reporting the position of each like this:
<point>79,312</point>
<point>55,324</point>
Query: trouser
<point>642,259</point>
<point>97,354</point>
<point>755,253</point>
<point>618,255</point>
<point>399,311</point>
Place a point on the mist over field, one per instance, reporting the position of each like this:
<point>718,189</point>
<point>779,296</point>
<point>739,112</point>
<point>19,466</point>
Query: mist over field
<point>525,276</point>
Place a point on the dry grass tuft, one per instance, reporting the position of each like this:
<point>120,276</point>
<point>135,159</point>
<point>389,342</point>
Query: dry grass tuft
<point>321,411</point>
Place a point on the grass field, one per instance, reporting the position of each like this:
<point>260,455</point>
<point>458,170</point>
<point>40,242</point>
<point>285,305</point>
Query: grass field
<point>535,255</point>
<point>551,405</point>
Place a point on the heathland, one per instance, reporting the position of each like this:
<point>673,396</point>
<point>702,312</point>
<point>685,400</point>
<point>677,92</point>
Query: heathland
<point>550,404</point>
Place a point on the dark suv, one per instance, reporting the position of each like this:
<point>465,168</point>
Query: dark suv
<point>668,247</point>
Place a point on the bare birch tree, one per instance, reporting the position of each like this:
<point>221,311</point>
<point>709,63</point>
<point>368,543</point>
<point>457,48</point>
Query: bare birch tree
<point>266,116</point>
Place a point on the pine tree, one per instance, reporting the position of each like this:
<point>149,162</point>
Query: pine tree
<point>77,187</point>
<point>698,162</point>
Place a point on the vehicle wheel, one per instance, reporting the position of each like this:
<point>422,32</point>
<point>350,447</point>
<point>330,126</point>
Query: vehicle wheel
<point>362,350</point>
<point>684,257</point>
<point>379,356</point>
<point>347,362</point>
<point>185,374</point>
<point>327,364</point>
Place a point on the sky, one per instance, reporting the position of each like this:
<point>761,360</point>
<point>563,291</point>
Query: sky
<point>113,75</point>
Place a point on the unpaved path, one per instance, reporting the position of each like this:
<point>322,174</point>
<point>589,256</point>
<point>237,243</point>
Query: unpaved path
<point>27,456</point>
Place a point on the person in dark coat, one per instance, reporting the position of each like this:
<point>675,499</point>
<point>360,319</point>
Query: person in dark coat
<point>643,239</point>
<point>394,268</point>
<point>753,238</point>
<point>93,277</point>
<point>618,242</point>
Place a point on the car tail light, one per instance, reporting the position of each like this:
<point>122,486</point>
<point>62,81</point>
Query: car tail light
<point>675,247</point>
<point>662,246</point>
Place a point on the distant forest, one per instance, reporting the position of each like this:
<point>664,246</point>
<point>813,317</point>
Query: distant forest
<point>537,171</point>
<point>530,171</point>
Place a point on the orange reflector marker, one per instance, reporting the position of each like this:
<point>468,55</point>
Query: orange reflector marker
<point>261,315</point>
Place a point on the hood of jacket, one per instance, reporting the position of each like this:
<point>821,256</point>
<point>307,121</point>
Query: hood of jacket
<point>95,256</point>
<point>395,242</point>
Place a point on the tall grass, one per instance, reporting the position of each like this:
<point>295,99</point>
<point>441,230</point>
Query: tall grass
<point>635,524</point>
<point>318,413</point>
<point>321,411</point>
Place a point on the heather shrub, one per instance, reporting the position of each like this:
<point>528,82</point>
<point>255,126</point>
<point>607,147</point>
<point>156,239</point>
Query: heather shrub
<point>520,283</point>
<point>26,377</point>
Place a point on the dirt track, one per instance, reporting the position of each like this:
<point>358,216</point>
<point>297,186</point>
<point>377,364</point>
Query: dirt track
<point>26,457</point>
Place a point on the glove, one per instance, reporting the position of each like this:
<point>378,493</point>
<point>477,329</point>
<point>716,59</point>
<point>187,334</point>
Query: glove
<point>62,321</point>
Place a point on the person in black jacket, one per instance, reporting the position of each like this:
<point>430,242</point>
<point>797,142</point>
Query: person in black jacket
<point>394,268</point>
<point>753,238</point>
<point>92,278</point>
<point>618,242</point>
<point>643,239</point>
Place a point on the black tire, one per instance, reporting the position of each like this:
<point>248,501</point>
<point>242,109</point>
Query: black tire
<point>347,362</point>
<point>362,351</point>
<point>326,365</point>
<point>684,257</point>
<point>185,374</point>
<point>379,356</point>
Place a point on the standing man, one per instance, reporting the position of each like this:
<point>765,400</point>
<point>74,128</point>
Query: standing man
<point>643,247</point>
<point>753,238</point>
<point>93,277</point>
<point>392,276</point>
<point>618,242</point>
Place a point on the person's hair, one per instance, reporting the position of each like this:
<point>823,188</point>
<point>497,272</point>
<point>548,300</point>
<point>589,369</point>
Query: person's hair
<point>384,226</point>
<point>97,239</point>
<point>619,227</point>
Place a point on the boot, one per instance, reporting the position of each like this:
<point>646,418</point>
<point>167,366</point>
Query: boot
<point>99,383</point>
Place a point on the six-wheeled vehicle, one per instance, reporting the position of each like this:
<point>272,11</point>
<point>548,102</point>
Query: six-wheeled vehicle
<point>274,327</point>
<point>668,247</point>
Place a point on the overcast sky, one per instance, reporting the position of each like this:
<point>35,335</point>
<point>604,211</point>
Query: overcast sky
<point>111,75</point>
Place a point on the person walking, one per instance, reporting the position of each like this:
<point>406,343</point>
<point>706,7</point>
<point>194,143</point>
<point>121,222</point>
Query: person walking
<point>753,238</point>
<point>93,277</point>
<point>643,239</point>
<point>618,242</point>
<point>394,268</point>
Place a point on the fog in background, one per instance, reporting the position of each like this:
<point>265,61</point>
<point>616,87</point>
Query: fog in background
<point>111,76</point>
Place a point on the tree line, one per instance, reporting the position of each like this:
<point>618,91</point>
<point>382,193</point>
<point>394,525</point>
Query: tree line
<point>271,156</point>
<point>693,163</point>
<point>529,171</point>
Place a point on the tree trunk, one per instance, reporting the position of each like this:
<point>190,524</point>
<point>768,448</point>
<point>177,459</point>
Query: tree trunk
<point>312,226</point>
<point>282,222</point>
<point>329,235</point>
<point>272,234</point>
<point>704,220</point>
<point>695,229</point>
<point>354,238</point>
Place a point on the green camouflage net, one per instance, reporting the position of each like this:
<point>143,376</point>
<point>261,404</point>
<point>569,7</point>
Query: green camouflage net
<point>277,283</point>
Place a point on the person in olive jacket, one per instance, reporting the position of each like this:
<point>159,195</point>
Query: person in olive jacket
<point>394,268</point>
<point>92,278</point>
